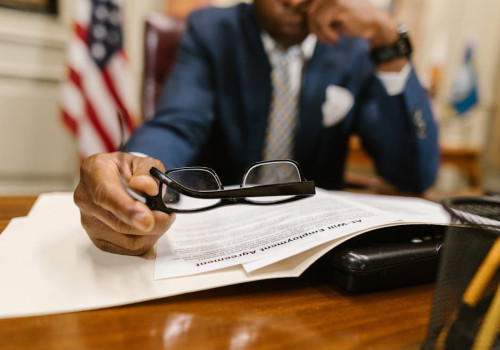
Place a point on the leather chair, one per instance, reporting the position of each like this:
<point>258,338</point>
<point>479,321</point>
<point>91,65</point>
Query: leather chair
<point>162,37</point>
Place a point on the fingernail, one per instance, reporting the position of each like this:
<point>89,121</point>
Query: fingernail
<point>142,221</point>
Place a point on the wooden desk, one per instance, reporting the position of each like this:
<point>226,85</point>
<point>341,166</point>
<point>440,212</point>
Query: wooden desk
<point>301,313</point>
<point>468,161</point>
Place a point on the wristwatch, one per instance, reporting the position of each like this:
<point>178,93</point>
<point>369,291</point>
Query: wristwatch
<point>401,48</point>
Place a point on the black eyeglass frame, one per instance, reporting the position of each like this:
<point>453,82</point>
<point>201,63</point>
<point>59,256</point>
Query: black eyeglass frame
<point>300,189</point>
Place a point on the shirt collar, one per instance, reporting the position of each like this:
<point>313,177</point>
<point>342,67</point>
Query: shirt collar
<point>306,46</point>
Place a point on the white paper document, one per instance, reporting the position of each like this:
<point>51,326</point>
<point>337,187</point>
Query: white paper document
<point>257,236</point>
<point>49,265</point>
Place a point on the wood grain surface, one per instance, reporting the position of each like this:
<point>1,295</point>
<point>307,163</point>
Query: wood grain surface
<point>298,313</point>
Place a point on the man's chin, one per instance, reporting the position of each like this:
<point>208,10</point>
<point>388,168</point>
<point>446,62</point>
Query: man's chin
<point>291,39</point>
<point>293,30</point>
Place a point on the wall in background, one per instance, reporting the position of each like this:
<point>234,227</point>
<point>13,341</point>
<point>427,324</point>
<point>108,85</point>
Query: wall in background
<point>36,153</point>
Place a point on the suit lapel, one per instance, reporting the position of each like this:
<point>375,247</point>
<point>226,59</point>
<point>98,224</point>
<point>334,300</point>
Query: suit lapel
<point>321,70</point>
<point>255,85</point>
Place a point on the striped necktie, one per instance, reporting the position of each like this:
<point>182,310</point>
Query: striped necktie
<point>282,122</point>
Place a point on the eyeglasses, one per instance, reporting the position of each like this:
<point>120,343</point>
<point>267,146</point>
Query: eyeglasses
<point>196,189</point>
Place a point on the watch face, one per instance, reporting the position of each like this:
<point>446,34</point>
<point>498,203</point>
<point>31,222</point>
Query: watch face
<point>403,45</point>
<point>401,48</point>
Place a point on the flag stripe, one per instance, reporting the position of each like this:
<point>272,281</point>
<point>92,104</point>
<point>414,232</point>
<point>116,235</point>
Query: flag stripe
<point>89,141</point>
<point>108,80</point>
<point>82,11</point>
<point>70,122</point>
<point>91,114</point>
<point>123,80</point>
<point>72,101</point>
<point>81,33</point>
<point>95,89</point>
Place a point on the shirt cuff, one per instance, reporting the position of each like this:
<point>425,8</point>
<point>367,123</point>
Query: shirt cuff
<point>395,82</point>
<point>138,154</point>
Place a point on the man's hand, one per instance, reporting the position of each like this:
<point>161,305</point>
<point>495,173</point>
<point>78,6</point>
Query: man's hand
<point>329,19</point>
<point>354,18</point>
<point>114,221</point>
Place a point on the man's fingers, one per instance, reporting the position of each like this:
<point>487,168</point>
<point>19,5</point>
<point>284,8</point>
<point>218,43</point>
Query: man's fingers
<point>322,21</point>
<point>141,180</point>
<point>128,241</point>
<point>137,225</point>
<point>326,31</point>
<point>328,35</point>
<point>144,184</point>
<point>113,198</point>
<point>102,187</point>
<point>109,240</point>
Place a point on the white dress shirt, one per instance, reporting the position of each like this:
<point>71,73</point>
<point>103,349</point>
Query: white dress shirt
<point>394,82</point>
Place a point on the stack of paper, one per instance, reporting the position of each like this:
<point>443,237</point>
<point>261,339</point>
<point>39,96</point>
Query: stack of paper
<point>49,265</point>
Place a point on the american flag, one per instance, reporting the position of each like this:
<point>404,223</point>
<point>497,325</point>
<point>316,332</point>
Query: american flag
<point>99,84</point>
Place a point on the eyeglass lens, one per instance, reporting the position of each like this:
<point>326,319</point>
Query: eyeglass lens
<point>272,173</point>
<point>194,179</point>
<point>204,180</point>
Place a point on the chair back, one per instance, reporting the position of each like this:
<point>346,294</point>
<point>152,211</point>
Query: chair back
<point>162,36</point>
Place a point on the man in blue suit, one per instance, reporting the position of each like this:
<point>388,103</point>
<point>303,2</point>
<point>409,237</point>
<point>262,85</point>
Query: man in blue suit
<point>217,101</point>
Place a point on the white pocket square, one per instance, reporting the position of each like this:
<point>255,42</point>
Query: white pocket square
<point>338,103</point>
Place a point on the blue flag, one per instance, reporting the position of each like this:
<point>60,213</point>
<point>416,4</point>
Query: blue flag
<point>465,91</point>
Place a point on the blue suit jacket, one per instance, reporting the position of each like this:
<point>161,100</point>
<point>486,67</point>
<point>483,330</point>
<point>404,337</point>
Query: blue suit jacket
<point>214,108</point>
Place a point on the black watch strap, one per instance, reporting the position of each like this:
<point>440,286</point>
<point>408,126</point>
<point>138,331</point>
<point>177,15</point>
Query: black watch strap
<point>401,48</point>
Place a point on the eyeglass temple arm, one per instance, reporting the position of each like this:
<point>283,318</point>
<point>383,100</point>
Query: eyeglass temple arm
<point>156,203</point>
<point>293,188</point>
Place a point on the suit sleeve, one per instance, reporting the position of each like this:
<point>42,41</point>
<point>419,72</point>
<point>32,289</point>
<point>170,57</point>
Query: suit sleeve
<point>400,133</point>
<point>184,114</point>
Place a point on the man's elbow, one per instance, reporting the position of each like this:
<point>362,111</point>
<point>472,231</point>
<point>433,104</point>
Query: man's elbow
<point>416,179</point>
<point>422,182</point>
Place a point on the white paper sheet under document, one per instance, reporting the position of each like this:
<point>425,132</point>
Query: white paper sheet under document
<point>49,265</point>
